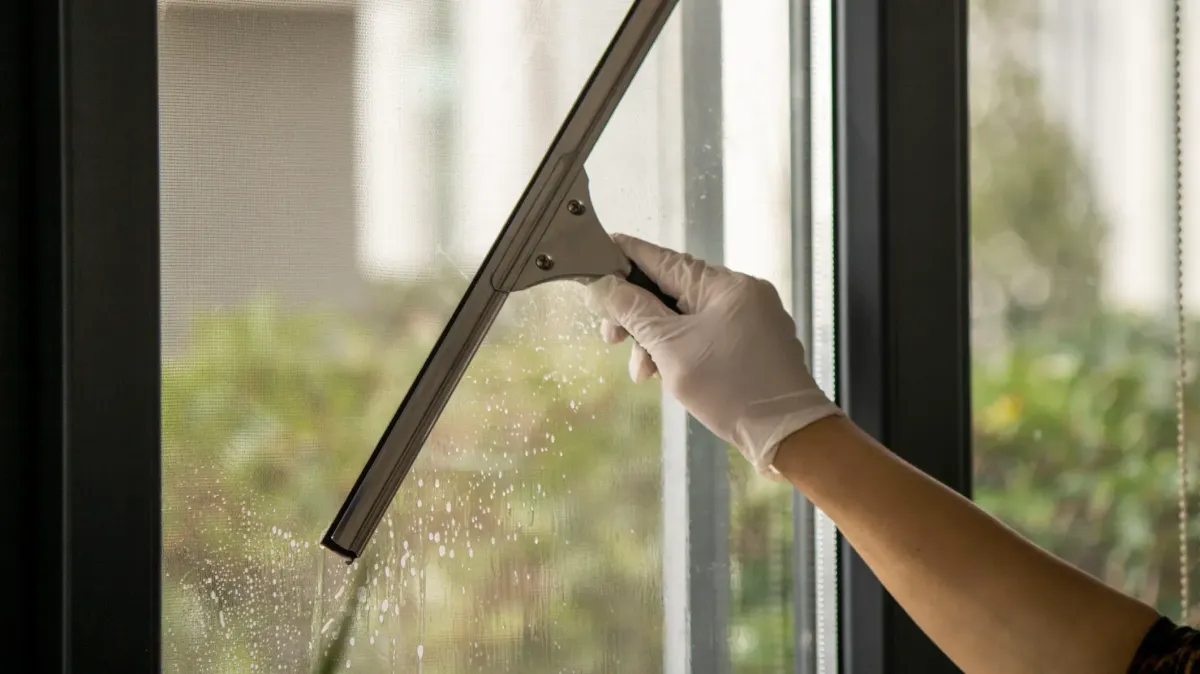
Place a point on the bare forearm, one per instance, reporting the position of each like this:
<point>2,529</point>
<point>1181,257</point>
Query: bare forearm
<point>988,598</point>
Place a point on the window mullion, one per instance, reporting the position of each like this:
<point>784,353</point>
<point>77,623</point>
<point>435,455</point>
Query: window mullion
<point>695,462</point>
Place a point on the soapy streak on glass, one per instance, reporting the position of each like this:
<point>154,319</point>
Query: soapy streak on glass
<point>316,235</point>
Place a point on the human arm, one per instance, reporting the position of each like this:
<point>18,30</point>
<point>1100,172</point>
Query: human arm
<point>989,598</point>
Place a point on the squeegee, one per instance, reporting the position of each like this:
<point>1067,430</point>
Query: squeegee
<point>552,234</point>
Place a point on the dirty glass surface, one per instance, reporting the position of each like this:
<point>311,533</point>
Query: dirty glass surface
<point>332,174</point>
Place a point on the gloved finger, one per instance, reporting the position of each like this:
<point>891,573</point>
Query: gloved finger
<point>629,306</point>
<point>641,366</point>
<point>679,275</point>
<point>611,332</point>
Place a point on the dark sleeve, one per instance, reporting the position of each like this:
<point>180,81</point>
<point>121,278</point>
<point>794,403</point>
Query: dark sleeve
<point>1167,649</point>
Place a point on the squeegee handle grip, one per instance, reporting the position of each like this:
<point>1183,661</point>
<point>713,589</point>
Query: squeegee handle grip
<point>638,278</point>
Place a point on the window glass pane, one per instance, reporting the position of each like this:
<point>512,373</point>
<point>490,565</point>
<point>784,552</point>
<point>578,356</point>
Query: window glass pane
<point>332,174</point>
<point>1073,215</point>
<point>757,109</point>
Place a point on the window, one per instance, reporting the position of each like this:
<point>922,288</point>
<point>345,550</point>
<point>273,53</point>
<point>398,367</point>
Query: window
<point>332,173</point>
<point>1073,243</point>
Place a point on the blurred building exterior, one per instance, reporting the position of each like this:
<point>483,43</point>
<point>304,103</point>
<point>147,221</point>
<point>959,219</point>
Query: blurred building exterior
<point>309,145</point>
<point>1106,68</point>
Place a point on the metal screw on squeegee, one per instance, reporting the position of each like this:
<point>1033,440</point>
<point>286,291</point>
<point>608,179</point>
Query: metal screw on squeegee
<point>576,207</point>
<point>544,262</point>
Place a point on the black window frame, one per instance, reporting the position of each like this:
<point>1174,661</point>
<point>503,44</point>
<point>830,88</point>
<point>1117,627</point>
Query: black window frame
<point>79,350</point>
<point>903,327</point>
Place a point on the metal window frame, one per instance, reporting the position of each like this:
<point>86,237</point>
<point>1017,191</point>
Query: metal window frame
<point>81,355</point>
<point>804,586</point>
<point>696,563</point>
<point>903,276</point>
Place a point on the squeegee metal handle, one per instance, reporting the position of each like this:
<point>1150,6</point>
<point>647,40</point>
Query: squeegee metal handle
<point>562,169</point>
<point>638,278</point>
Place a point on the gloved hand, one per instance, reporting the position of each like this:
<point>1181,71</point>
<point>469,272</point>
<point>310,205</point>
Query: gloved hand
<point>732,358</point>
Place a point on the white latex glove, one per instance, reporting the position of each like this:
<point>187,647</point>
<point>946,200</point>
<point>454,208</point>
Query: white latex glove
<point>732,358</point>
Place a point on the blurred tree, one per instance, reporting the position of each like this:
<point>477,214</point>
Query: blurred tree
<point>1073,401</point>
<point>1036,227</point>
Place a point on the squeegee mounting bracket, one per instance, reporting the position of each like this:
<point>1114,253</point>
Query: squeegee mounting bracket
<point>572,245</point>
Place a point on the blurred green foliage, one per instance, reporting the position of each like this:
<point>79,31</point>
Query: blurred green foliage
<point>526,539</point>
<point>1074,399</point>
<point>1074,447</point>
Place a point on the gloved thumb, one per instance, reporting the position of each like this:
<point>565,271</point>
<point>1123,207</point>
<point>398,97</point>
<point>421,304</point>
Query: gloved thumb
<point>628,306</point>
